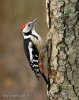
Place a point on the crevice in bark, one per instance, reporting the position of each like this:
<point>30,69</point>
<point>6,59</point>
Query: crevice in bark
<point>48,17</point>
<point>48,6</point>
<point>77,6</point>
<point>49,48</point>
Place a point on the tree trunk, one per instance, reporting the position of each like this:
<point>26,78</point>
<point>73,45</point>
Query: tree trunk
<point>63,49</point>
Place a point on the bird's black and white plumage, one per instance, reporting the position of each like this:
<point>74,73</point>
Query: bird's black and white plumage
<point>32,55</point>
<point>33,47</point>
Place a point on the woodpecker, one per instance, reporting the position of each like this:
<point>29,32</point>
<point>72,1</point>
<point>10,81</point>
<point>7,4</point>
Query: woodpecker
<point>33,47</point>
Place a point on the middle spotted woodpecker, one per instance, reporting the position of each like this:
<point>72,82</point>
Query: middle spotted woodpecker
<point>33,47</point>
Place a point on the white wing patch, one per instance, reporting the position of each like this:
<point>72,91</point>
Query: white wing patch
<point>30,51</point>
<point>26,37</point>
<point>35,61</point>
<point>35,66</point>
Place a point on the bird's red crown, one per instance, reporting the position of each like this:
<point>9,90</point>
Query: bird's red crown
<point>24,26</point>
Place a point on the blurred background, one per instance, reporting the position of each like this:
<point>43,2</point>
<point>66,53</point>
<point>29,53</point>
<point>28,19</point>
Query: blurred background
<point>17,80</point>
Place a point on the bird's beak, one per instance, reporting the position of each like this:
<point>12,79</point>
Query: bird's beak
<point>34,22</point>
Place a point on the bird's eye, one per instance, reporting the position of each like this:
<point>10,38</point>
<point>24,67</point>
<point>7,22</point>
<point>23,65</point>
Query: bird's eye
<point>29,25</point>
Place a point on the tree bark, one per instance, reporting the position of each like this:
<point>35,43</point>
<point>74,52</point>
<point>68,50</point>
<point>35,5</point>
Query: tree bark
<point>63,49</point>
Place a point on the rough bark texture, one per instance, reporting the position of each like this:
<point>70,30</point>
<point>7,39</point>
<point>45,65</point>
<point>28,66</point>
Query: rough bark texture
<point>63,49</point>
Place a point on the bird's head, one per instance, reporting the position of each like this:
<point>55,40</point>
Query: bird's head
<point>29,26</point>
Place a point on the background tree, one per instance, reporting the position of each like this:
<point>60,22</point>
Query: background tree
<point>63,49</point>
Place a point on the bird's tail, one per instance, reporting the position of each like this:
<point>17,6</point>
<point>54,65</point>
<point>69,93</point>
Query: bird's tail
<point>44,77</point>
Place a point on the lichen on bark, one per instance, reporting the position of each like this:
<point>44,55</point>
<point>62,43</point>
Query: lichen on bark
<point>63,59</point>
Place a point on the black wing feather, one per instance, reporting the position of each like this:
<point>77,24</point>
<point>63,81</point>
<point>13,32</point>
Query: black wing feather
<point>35,62</point>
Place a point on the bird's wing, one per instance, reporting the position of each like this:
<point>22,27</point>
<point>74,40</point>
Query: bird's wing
<point>40,47</point>
<point>33,56</point>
